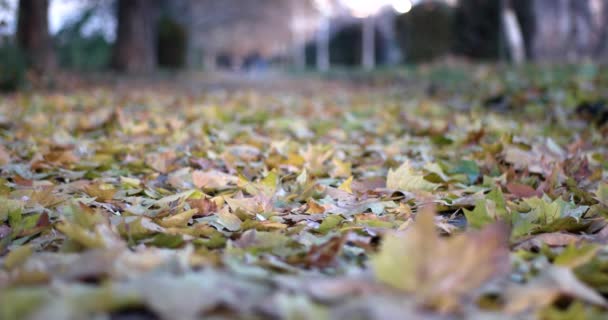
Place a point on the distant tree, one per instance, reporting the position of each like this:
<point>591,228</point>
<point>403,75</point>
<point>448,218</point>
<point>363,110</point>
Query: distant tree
<point>346,47</point>
<point>239,28</point>
<point>426,32</point>
<point>171,43</point>
<point>477,27</point>
<point>566,30</point>
<point>33,34</point>
<point>134,50</point>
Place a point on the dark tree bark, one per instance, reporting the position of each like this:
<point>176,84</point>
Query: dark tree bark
<point>135,46</point>
<point>33,34</point>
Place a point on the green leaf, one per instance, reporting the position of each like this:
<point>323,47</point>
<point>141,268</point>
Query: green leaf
<point>10,208</point>
<point>17,257</point>
<point>602,193</point>
<point>330,222</point>
<point>19,303</point>
<point>574,256</point>
<point>488,210</point>
<point>168,240</point>
<point>80,235</point>
<point>468,168</point>
<point>483,214</point>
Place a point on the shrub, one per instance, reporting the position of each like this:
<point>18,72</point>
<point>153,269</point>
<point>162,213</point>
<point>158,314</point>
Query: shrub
<point>76,51</point>
<point>12,68</point>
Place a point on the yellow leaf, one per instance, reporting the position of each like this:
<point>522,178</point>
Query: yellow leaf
<point>80,235</point>
<point>346,185</point>
<point>101,191</point>
<point>602,193</point>
<point>17,257</point>
<point>341,169</point>
<point>405,179</point>
<point>440,272</point>
<point>178,220</point>
<point>314,207</point>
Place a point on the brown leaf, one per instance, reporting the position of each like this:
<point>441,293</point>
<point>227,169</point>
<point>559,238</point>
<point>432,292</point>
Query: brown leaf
<point>324,255</point>
<point>5,157</point>
<point>161,162</point>
<point>96,119</point>
<point>577,168</point>
<point>20,181</point>
<point>368,184</point>
<point>545,289</point>
<point>205,206</point>
<point>213,180</point>
<point>521,190</point>
<point>554,239</point>
<point>60,157</point>
<point>102,192</point>
<point>313,207</point>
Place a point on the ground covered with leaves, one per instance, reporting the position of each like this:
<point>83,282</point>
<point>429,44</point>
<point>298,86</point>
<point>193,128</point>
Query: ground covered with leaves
<point>477,193</point>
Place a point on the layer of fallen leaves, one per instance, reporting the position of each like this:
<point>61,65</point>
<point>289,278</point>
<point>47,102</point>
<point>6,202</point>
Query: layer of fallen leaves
<point>382,203</point>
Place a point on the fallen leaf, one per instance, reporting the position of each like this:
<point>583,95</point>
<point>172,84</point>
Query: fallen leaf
<point>228,219</point>
<point>553,239</point>
<point>405,178</point>
<point>440,272</point>
<point>213,180</point>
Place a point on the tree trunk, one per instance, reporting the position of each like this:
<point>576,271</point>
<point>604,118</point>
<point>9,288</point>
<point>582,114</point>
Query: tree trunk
<point>323,45</point>
<point>33,35</point>
<point>565,30</point>
<point>210,61</point>
<point>513,34</point>
<point>369,44</point>
<point>299,50</point>
<point>601,46</point>
<point>583,29</point>
<point>552,29</point>
<point>134,50</point>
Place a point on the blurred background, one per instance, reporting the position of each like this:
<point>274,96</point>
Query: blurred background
<point>40,37</point>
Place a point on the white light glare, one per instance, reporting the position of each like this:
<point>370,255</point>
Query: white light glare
<point>365,8</point>
<point>402,6</point>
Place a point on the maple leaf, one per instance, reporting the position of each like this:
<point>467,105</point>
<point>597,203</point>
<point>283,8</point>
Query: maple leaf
<point>441,272</point>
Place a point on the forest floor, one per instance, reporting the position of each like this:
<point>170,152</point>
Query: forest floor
<point>442,192</point>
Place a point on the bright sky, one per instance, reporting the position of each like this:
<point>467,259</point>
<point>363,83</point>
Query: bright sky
<point>60,11</point>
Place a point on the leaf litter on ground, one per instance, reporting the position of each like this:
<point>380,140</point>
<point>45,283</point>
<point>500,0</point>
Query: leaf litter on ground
<point>359,201</point>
